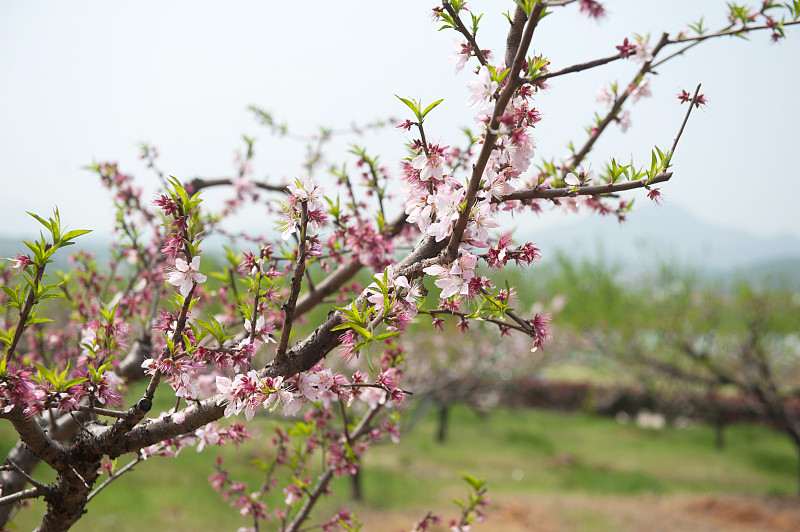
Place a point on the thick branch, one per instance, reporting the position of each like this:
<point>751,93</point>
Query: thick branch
<point>491,134</point>
<point>515,34</point>
<point>36,439</point>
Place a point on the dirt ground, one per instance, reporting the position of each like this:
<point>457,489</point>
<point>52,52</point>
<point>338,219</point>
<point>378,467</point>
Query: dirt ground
<point>585,513</point>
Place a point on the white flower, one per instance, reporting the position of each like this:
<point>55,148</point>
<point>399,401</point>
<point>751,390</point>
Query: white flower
<point>185,275</point>
<point>482,89</point>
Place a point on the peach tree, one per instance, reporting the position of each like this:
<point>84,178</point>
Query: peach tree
<point>254,335</point>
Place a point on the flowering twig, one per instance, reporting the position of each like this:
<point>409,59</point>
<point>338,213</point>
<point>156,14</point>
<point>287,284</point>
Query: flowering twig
<point>694,103</point>
<point>26,310</point>
<point>464,31</point>
<point>294,291</point>
<point>361,429</point>
<point>522,327</point>
<point>735,32</point>
<point>576,158</point>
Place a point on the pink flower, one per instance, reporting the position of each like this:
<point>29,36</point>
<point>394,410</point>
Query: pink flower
<point>644,51</point>
<point>429,167</point>
<point>642,90</point>
<point>262,332</point>
<point>184,276</point>
<point>304,189</point>
<point>624,121</point>
<point>21,261</point>
<point>626,49</point>
<point>594,9</point>
<point>461,54</point>
<point>656,195</point>
<point>603,95</point>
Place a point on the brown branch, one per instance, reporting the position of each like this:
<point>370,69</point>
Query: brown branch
<point>21,455</point>
<point>18,496</point>
<point>574,68</point>
<point>36,439</point>
<point>515,34</point>
<point>199,183</point>
<point>592,190</point>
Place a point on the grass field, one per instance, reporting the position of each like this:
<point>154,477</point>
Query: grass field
<point>522,454</point>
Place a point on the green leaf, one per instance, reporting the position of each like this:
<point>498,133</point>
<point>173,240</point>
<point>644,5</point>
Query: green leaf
<point>362,331</point>
<point>474,482</point>
<point>75,234</point>
<point>33,320</point>
<point>411,105</point>
<point>384,336</point>
<point>431,107</point>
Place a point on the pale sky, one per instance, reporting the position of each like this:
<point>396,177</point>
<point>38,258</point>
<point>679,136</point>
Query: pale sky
<point>86,81</point>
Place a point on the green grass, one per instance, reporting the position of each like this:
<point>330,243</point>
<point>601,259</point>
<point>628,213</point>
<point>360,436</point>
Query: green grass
<point>518,452</point>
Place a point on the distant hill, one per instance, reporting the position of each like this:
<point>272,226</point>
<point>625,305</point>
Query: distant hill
<point>654,235</point>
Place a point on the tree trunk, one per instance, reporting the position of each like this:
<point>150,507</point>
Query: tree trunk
<point>441,432</point>
<point>719,433</point>
<point>355,485</point>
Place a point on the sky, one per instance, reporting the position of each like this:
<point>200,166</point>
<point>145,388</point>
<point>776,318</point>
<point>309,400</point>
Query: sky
<point>87,81</point>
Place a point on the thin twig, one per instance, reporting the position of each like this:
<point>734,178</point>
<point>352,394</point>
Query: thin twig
<point>199,183</point>
<point>115,476</point>
<point>736,32</point>
<point>692,104</point>
<point>103,411</point>
<point>26,476</point>
<point>574,68</point>
<point>29,493</point>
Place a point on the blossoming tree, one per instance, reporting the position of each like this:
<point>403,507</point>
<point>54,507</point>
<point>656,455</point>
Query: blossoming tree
<point>228,348</point>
